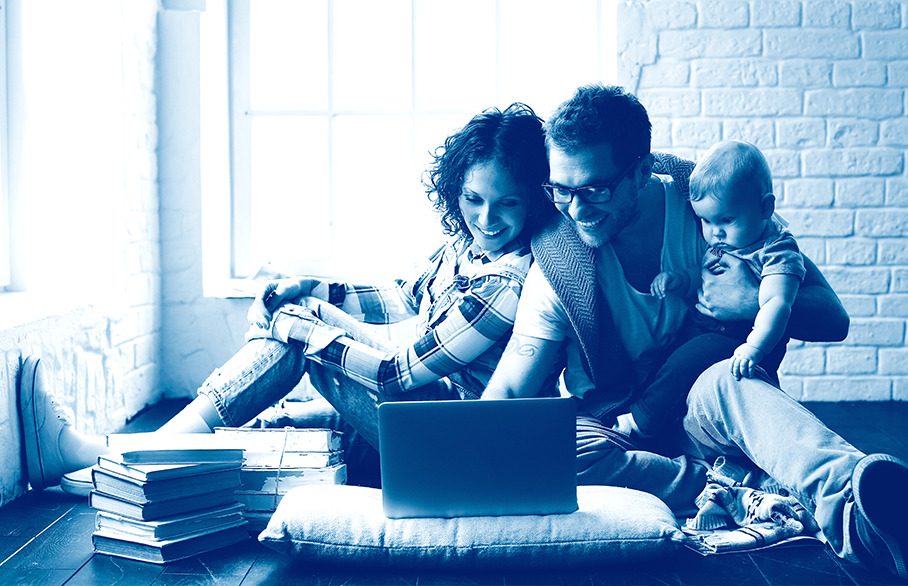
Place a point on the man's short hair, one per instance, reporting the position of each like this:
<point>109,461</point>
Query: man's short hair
<point>598,114</point>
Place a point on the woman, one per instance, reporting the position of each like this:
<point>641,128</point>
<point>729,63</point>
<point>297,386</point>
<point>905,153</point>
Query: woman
<point>486,182</point>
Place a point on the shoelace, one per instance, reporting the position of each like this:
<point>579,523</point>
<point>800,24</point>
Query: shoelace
<point>63,413</point>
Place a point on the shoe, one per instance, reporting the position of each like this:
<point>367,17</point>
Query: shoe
<point>879,483</point>
<point>43,422</point>
<point>78,483</point>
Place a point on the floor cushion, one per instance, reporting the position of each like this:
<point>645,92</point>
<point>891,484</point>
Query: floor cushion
<point>345,524</point>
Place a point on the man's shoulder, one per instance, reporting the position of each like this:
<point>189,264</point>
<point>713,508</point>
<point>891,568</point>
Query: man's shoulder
<point>678,168</point>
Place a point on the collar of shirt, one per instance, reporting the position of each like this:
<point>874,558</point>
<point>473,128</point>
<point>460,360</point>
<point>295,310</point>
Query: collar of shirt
<point>477,255</point>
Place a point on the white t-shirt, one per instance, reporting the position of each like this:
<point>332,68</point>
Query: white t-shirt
<point>644,322</point>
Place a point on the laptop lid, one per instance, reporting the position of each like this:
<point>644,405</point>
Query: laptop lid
<point>466,458</point>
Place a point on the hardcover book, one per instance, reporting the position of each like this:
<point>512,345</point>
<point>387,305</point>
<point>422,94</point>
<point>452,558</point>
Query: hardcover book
<point>281,481</point>
<point>174,526</point>
<point>186,455</point>
<point>145,472</point>
<point>251,439</point>
<point>166,550</point>
<point>276,459</point>
<point>140,492</point>
<point>160,509</point>
<point>265,489</point>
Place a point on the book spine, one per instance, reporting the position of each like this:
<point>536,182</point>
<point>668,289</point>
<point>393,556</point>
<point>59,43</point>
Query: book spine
<point>281,481</point>
<point>290,459</point>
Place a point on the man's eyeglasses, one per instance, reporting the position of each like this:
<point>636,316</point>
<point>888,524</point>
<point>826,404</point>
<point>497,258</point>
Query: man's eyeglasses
<point>601,193</point>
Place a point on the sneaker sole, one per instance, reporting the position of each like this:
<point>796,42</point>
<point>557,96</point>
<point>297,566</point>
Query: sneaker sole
<point>75,486</point>
<point>34,466</point>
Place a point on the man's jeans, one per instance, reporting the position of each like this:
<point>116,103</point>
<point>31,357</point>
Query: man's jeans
<point>748,418</point>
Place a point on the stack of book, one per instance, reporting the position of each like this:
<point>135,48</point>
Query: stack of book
<point>278,460</point>
<point>163,505</point>
<point>275,460</point>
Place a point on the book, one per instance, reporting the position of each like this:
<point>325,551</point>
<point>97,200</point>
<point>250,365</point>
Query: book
<point>257,500</point>
<point>159,509</point>
<point>281,481</point>
<point>278,459</point>
<point>160,551</point>
<point>252,439</point>
<point>146,472</point>
<point>288,439</point>
<point>144,491</point>
<point>174,526</point>
<point>185,455</point>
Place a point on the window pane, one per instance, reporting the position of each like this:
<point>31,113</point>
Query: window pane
<point>291,203</point>
<point>455,55</point>
<point>288,54</point>
<point>384,223</point>
<point>547,50</point>
<point>372,55</point>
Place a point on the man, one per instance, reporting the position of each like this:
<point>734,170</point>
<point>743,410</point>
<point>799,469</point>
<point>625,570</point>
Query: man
<point>619,226</point>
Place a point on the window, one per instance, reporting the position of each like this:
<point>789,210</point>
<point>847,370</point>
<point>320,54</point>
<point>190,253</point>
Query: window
<point>4,204</point>
<point>336,104</point>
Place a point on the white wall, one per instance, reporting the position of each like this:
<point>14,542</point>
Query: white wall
<point>820,86</point>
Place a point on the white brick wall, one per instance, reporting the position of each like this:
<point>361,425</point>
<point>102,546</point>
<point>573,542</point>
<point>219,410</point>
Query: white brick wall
<point>820,86</point>
<point>102,361</point>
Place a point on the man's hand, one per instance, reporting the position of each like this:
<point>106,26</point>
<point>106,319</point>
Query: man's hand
<point>745,360</point>
<point>729,291</point>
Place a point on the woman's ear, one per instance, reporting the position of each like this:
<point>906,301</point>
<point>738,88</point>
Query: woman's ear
<point>768,204</point>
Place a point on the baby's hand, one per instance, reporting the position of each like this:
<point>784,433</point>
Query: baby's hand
<point>745,360</point>
<point>667,282</point>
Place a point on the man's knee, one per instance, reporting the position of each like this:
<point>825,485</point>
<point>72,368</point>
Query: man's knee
<point>711,383</point>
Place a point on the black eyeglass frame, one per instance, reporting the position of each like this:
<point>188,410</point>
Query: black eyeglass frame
<point>608,189</point>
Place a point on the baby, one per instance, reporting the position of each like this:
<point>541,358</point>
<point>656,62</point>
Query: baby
<point>731,193</point>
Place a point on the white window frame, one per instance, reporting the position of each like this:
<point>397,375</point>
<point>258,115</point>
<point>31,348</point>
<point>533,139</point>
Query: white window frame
<point>5,251</point>
<point>227,258</point>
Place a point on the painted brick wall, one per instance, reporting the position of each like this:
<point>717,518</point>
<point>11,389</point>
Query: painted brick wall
<point>101,359</point>
<point>820,87</point>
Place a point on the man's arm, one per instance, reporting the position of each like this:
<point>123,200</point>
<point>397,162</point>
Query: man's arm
<point>817,314</point>
<point>522,368</point>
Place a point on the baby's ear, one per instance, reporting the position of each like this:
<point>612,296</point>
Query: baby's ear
<point>768,203</point>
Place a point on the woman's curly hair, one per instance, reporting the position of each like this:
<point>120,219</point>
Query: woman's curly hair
<point>512,139</point>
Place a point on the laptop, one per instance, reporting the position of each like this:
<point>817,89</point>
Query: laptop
<point>468,458</point>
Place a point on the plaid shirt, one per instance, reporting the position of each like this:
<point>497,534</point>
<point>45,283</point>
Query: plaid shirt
<point>464,305</point>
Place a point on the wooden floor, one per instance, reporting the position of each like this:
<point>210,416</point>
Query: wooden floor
<point>45,538</point>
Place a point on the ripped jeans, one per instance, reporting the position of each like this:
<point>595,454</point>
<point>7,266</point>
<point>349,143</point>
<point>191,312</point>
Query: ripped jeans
<point>264,371</point>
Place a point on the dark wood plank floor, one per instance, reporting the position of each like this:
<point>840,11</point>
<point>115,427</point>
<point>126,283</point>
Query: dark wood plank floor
<point>45,538</point>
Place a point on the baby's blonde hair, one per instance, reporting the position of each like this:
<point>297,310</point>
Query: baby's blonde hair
<point>731,166</point>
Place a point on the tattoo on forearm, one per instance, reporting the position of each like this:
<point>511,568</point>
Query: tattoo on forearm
<point>516,346</point>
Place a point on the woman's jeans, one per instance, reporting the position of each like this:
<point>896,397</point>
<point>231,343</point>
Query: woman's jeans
<point>264,371</point>
<point>750,418</point>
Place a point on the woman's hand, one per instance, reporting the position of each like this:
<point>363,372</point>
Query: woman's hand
<point>273,295</point>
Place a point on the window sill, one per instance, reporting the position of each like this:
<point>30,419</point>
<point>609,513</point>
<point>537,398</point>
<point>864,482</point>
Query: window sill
<point>20,308</point>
